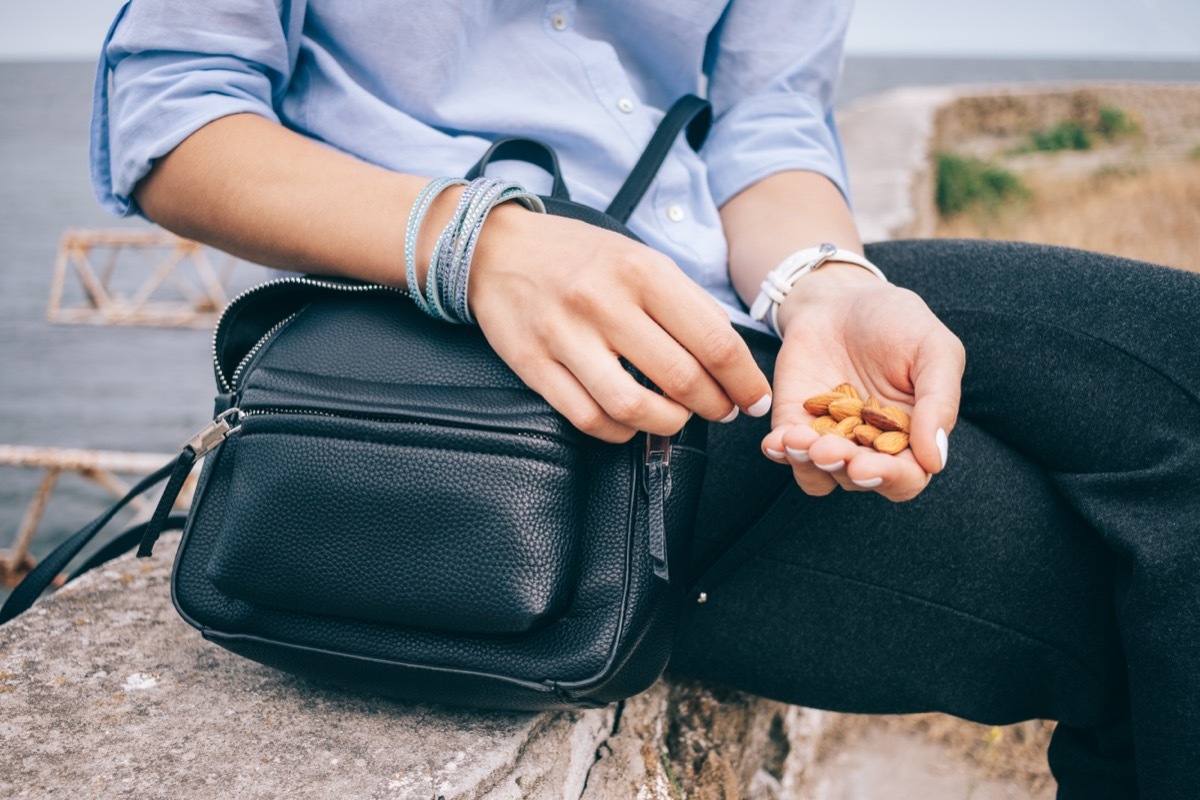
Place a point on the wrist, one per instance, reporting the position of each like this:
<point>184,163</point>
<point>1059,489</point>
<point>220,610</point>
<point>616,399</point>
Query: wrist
<point>814,272</point>
<point>841,283</point>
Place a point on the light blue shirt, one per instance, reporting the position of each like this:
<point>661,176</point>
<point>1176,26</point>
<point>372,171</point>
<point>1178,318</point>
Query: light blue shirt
<point>423,86</point>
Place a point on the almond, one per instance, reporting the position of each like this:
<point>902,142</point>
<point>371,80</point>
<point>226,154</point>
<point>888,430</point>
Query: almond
<point>846,427</point>
<point>818,405</point>
<point>848,390</point>
<point>891,442</point>
<point>865,434</point>
<point>823,425</point>
<point>888,418</point>
<point>845,407</point>
<point>871,402</point>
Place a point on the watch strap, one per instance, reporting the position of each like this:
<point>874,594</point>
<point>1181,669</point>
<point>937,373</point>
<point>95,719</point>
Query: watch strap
<point>779,281</point>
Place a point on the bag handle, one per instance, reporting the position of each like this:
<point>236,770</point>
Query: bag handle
<point>531,151</point>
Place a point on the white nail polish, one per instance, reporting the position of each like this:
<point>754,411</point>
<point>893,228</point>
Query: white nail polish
<point>776,454</point>
<point>943,445</point>
<point>760,407</point>
<point>731,416</point>
<point>834,467</point>
<point>797,455</point>
<point>869,483</point>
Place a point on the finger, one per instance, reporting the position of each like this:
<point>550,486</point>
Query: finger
<point>795,443</point>
<point>695,320</point>
<point>566,394</point>
<point>898,478</point>
<point>619,395</point>
<point>673,369</point>
<point>937,385</point>
<point>833,455</point>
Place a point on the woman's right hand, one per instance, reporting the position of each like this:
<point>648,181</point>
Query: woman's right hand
<point>561,301</point>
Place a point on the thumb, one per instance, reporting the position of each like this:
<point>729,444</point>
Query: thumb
<point>937,386</point>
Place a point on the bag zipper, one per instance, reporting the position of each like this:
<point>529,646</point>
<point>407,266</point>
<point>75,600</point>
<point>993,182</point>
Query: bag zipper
<point>227,384</point>
<point>396,418</point>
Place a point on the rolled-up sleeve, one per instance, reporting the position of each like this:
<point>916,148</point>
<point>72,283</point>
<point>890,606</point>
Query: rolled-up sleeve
<point>773,70</point>
<point>169,67</point>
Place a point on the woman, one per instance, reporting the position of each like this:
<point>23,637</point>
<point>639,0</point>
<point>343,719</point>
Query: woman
<point>1050,572</point>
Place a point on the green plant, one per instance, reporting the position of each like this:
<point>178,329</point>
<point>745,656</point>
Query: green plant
<point>965,182</point>
<point>672,778</point>
<point>1063,136</point>
<point>1115,122</point>
<point>1110,123</point>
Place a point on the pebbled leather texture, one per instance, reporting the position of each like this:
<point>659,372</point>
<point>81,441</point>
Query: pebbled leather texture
<point>398,511</point>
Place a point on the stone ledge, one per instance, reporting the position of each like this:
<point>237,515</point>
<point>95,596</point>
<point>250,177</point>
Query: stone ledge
<point>104,689</point>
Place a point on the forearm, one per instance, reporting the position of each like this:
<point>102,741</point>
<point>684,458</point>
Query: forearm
<point>262,192</point>
<point>783,213</point>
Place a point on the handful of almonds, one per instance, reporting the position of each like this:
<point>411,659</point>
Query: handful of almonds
<point>843,412</point>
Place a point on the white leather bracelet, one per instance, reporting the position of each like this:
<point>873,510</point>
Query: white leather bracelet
<point>779,281</point>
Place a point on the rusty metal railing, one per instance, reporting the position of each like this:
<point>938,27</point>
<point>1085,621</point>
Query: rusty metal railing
<point>98,259</point>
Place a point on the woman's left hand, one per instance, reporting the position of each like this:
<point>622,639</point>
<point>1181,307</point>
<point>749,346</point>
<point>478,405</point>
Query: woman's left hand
<point>843,325</point>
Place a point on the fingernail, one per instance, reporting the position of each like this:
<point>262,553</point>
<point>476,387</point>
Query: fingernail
<point>943,444</point>
<point>834,467</point>
<point>776,454</point>
<point>869,483</point>
<point>797,455</point>
<point>760,407</point>
<point>731,416</point>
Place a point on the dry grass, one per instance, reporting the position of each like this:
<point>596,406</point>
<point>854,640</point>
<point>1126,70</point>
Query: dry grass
<point>1145,213</point>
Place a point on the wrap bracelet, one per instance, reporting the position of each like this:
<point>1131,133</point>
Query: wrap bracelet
<point>445,293</point>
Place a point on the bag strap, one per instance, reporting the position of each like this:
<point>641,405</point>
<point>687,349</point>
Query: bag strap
<point>688,111</point>
<point>174,472</point>
<point>42,576</point>
<point>782,511</point>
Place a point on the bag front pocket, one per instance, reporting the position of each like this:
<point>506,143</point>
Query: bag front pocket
<point>402,522</point>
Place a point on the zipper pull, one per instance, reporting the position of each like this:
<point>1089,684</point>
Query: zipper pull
<point>214,432</point>
<point>658,486</point>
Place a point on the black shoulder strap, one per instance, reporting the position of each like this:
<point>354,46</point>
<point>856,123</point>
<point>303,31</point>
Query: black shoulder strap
<point>39,579</point>
<point>689,111</point>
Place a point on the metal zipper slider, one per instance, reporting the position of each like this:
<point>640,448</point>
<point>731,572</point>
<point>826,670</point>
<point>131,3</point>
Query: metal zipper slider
<point>214,432</point>
<point>658,448</point>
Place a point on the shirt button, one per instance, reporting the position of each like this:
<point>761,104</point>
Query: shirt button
<point>675,213</point>
<point>559,21</point>
<point>626,105</point>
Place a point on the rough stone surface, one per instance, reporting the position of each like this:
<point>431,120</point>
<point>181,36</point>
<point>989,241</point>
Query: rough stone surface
<point>711,743</point>
<point>105,690</point>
